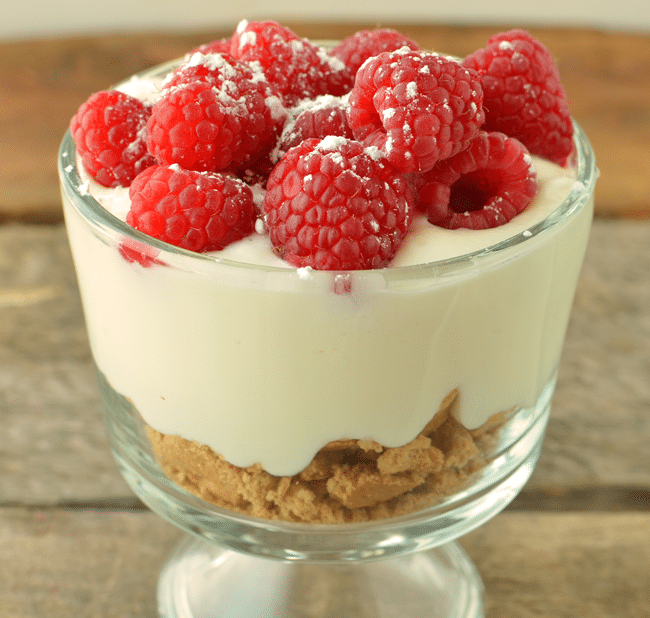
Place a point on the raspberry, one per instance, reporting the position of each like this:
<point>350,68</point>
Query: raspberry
<point>220,46</point>
<point>109,130</point>
<point>356,49</point>
<point>481,187</point>
<point>296,67</point>
<point>135,251</point>
<point>417,107</point>
<point>524,97</point>
<point>214,113</point>
<point>199,211</point>
<point>325,115</point>
<point>332,204</point>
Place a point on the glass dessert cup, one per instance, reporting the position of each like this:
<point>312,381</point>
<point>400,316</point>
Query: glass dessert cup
<point>236,564</point>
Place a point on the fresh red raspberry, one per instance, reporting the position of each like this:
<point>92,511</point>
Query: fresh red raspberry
<point>357,48</point>
<point>199,211</point>
<point>325,115</point>
<point>481,187</point>
<point>524,96</point>
<point>332,204</point>
<point>214,113</point>
<point>296,67</point>
<point>109,131</point>
<point>219,46</point>
<point>416,107</point>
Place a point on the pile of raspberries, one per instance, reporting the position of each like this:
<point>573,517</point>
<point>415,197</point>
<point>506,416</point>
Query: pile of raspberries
<point>347,143</point>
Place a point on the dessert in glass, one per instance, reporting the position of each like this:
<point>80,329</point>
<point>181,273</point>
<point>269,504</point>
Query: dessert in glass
<point>326,288</point>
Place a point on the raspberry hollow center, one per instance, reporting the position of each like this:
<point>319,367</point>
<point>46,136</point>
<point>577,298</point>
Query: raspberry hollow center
<point>474,190</point>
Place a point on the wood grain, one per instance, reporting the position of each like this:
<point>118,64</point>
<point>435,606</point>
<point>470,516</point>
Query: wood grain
<point>105,565</point>
<point>606,75</point>
<point>73,539</point>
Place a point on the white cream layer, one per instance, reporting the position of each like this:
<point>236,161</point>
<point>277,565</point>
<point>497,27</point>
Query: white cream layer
<point>269,365</point>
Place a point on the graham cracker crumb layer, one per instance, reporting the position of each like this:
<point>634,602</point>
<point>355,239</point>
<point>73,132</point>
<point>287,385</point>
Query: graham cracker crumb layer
<point>347,481</point>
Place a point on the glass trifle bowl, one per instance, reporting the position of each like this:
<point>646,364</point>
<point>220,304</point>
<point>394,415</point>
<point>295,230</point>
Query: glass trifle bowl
<point>325,436</point>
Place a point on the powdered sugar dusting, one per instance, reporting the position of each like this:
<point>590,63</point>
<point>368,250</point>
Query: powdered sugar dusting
<point>213,62</point>
<point>277,109</point>
<point>305,273</point>
<point>335,64</point>
<point>412,90</point>
<point>145,90</point>
<point>332,142</point>
<point>375,153</point>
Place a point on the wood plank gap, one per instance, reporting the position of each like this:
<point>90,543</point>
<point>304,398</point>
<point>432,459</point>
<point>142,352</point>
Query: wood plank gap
<point>552,499</point>
<point>117,504</point>
<point>48,214</point>
<point>597,499</point>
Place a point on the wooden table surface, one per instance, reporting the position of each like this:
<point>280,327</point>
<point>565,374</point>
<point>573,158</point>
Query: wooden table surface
<point>73,540</point>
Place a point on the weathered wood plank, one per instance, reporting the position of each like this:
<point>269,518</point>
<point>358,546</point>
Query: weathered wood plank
<point>99,564</point>
<point>606,74</point>
<point>600,425</point>
<point>53,442</point>
<point>564,565</point>
<point>86,564</point>
<point>53,446</point>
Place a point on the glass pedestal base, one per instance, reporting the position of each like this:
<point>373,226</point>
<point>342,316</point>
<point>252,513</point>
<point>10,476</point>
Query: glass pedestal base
<point>202,580</point>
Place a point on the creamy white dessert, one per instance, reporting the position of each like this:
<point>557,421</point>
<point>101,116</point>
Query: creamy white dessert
<point>249,360</point>
<point>267,365</point>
